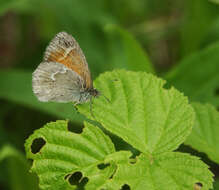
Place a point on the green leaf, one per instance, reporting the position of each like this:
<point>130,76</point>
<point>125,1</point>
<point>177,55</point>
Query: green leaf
<point>204,136</point>
<point>125,51</point>
<point>17,169</point>
<point>136,107</point>
<point>16,86</point>
<point>216,185</point>
<point>65,153</point>
<point>197,75</point>
<point>141,111</point>
<point>173,170</point>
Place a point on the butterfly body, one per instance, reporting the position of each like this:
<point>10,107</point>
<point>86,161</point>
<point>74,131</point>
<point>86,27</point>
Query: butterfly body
<point>63,75</point>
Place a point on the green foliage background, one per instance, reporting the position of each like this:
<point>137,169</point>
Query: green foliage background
<point>174,39</point>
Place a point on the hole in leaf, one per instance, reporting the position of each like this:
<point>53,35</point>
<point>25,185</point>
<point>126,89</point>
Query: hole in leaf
<point>125,187</point>
<point>37,145</point>
<point>133,159</point>
<point>198,186</point>
<point>75,128</point>
<point>77,179</point>
<point>216,92</point>
<point>67,176</point>
<point>82,183</point>
<point>103,166</point>
<point>74,179</point>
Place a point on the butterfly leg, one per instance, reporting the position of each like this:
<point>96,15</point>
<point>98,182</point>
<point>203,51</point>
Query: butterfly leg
<point>76,103</point>
<point>75,106</point>
<point>91,111</point>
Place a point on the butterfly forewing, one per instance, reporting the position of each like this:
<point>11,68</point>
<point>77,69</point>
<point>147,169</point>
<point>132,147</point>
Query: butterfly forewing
<point>65,50</point>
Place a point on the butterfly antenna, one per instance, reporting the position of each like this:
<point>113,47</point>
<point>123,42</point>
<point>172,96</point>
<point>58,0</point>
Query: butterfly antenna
<point>106,98</point>
<point>115,80</point>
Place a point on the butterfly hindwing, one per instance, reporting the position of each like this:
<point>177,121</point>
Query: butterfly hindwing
<point>53,81</point>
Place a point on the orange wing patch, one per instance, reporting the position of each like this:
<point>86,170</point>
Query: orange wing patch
<point>73,61</point>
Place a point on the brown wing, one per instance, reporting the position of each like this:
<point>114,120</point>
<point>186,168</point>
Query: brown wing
<point>65,50</point>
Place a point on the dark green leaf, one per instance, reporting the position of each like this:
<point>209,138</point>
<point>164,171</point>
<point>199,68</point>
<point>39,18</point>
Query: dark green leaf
<point>204,136</point>
<point>197,75</point>
<point>125,51</point>
<point>18,169</point>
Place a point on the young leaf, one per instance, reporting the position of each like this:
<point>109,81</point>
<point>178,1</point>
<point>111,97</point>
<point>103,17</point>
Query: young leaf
<point>204,136</point>
<point>136,107</point>
<point>65,160</point>
<point>17,88</point>
<point>125,51</point>
<point>201,82</point>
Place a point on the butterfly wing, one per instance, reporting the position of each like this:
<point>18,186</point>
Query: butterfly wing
<point>53,81</point>
<point>65,50</point>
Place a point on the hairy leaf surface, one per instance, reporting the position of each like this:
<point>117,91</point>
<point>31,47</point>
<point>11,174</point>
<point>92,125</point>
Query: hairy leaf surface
<point>169,171</point>
<point>136,107</point>
<point>92,153</point>
<point>64,153</point>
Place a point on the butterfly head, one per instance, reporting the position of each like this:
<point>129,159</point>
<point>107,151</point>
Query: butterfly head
<point>94,92</point>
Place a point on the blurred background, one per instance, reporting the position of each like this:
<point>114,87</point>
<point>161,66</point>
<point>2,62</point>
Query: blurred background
<point>168,38</point>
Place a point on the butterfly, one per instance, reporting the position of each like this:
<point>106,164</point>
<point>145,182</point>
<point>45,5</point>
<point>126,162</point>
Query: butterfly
<point>63,75</point>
